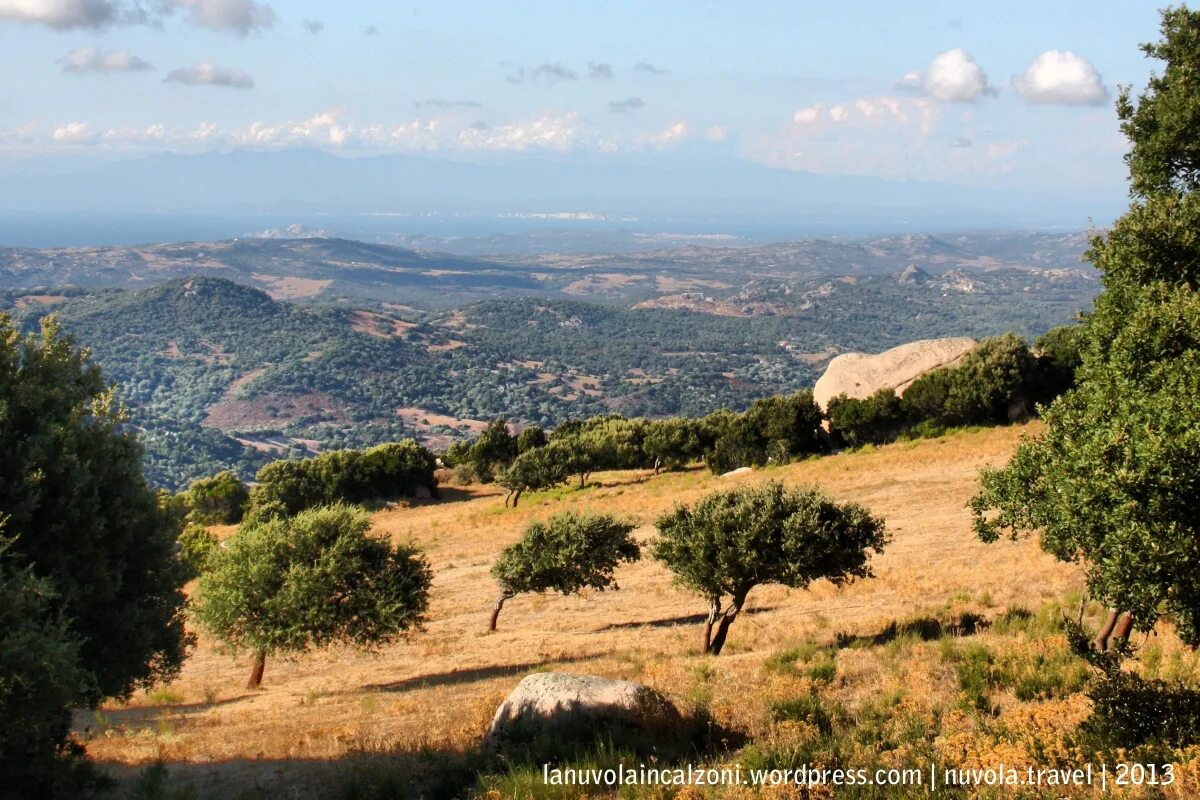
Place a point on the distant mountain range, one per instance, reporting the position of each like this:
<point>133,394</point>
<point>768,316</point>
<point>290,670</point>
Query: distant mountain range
<point>331,269</point>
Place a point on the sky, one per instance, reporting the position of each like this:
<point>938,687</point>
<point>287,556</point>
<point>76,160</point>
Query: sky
<point>1015,95</point>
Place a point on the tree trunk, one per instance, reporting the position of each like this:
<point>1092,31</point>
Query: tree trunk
<point>496,611</point>
<point>657,465</point>
<point>516,497</point>
<point>1101,640</point>
<point>1124,627</point>
<point>256,671</point>
<point>723,629</point>
<point>714,610</point>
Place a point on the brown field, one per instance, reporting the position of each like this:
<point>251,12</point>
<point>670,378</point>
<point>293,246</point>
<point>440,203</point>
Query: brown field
<point>291,287</point>
<point>322,713</point>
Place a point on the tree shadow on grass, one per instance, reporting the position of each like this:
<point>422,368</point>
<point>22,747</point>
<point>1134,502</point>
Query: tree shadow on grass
<point>926,629</point>
<point>671,622</point>
<point>456,677</point>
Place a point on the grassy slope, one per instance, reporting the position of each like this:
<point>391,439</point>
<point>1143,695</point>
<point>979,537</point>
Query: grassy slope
<point>439,689</point>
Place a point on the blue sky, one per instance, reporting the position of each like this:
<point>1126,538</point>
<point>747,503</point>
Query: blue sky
<point>1015,95</point>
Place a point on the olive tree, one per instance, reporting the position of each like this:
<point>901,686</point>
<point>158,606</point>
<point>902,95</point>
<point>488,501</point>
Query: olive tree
<point>732,541</point>
<point>1112,481</point>
<point>318,578</point>
<point>566,554</point>
<point>533,470</point>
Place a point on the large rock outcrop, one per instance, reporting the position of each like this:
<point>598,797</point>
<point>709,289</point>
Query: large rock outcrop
<point>860,375</point>
<point>579,705</point>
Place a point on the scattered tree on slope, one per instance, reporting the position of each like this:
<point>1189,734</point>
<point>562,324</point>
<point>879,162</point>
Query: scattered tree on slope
<point>732,541</point>
<point>307,581</point>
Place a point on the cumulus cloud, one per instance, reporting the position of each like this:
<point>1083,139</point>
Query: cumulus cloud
<point>208,74</point>
<point>628,104</point>
<point>647,67</point>
<point>1061,78</point>
<point>917,115</point>
<point>670,135</point>
<point>545,132</point>
<point>313,26</point>
<point>84,60</point>
<point>952,77</point>
<point>235,16</point>
<point>599,70</point>
<point>74,133</point>
<point>717,133</point>
<point>63,14</point>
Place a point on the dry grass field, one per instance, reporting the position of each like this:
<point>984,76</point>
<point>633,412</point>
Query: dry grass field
<point>328,715</point>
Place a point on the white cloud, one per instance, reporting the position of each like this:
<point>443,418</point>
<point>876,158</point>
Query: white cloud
<point>61,14</point>
<point>952,77</point>
<point>236,16</point>
<point>717,133</point>
<point>207,73</point>
<point>74,133</point>
<point>545,132</point>
<point>83,60</point>
<point>865,112</point>
<point>670,135</point>
<point>1061,78</point>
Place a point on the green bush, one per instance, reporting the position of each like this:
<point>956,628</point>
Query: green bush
<point>219,500</point>
<point>196,545</point>
<point>873,420</point>
<point>384,472</point>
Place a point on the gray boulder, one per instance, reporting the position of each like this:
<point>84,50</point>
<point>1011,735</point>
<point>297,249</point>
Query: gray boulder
<point>568,705</point>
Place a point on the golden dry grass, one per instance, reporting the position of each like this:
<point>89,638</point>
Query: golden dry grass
<point>440,687</point>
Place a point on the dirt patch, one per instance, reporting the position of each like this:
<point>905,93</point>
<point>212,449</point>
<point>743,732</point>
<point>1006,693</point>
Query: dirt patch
<point>290,287</point>
<point>273,411</point>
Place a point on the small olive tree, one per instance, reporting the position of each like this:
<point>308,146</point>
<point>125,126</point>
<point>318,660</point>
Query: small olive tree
<point>568,553</point>
<point>732,541</point>
<point>318,578</point>
<point>532,471</point>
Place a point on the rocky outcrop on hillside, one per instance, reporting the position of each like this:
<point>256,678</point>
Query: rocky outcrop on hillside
<point>860,375</point>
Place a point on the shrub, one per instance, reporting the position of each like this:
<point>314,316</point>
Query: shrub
<point>197,545</point>
<point>219,500</point>
<point>732,541</point>
<point>874,420</point>
<point>567,554</point>
<point>384,472</point>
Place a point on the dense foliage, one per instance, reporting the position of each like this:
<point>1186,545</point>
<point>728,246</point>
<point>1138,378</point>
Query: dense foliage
<point>318,578</point>
<point>1114,479</point>
<point>384,472</point>
<point>219,500</point>
<point>732,541</point>
<point>73,498</point>
<point>41,678</point>
<point>568,553</point>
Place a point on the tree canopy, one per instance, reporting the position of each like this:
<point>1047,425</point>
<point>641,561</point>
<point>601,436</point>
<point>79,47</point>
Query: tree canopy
<point>1114,479</point>
<point>81,516</point>
<point>318,578</point>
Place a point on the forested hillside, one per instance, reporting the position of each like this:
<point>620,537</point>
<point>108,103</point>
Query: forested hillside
<point>220,375</point>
